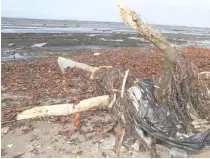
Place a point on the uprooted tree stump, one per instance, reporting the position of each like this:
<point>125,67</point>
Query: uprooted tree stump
<point>165,109</point>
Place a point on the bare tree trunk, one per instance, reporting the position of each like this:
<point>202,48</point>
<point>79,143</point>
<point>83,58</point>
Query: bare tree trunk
<point>149,33</point>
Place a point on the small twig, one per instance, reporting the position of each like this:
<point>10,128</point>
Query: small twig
<point>19,155</point>
<point>120,143</point>
<point>124,82</point>
<point>5,122</point>
<point>112,102</point>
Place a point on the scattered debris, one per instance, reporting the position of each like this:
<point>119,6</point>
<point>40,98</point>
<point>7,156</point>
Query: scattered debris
<point>19,155</point>
<point>26,129</point>
<point>103,39</point>
<point>104,155</point>
<point>10,52</point>
<point>119,40</point>
<point>31,148</point>
<point>17,55</point>
<point>123,148</point>
<point>3,152</point>
<point>135,146</point>
<point>76,118</point>
<point>39,45</point>
<point>87,128</point>
<point>82,138</point>
<point>27,155</point>
<point>11,44</point>
<point>108,143</point>
<point>5,130</point>
<point>79,153</point>
<point>201,124</point>
<point>91,35</point>
<point>66,132</point>
<point>178,153</point>
<point>86,155</point>
<point>97,53</point>
<point>10,145</point>
<point>90,135</point>
<point>13,56</point>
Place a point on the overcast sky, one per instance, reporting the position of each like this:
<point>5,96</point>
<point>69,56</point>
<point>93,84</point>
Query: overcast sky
<point>172,12</point>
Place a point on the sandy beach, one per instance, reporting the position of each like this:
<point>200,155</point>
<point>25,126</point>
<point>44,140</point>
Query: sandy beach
<point>29,81</point>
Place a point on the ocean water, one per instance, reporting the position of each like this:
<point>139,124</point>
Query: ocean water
<point>194,35</point>
<point>16,25</point>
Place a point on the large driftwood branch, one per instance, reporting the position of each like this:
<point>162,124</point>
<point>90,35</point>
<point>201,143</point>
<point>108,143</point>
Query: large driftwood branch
<point>64,109</point>
<point>64,63</point>
<point>149,33</point>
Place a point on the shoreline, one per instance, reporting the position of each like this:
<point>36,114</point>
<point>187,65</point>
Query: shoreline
<point>80,43</point>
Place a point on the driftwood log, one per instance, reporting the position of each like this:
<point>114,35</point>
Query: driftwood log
<point>64,109</point>
<point>182,91</point>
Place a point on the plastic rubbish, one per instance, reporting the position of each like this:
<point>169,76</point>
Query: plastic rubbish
<point>160,122</point>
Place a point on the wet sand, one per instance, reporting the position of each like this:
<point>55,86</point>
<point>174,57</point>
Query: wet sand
<point>77,43</point>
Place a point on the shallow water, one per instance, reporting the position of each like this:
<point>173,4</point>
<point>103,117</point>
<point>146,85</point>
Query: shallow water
<point>11,25</point>
<point>67,33</point>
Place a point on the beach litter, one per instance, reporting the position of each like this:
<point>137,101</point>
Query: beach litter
<point>97,53</point>
<point>11,44</point>
<point>39,45</point>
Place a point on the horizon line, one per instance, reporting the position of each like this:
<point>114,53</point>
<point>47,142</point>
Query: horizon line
<point>98,21</point>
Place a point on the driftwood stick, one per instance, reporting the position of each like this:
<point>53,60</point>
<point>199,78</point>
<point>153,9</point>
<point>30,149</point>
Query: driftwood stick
<point>64,63</point>
<point>124,82</point>
<point>64,109</point>
<point>204,75</point>
<point>120,143</point>
<point>149,33</point>
<point>112,102</point>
